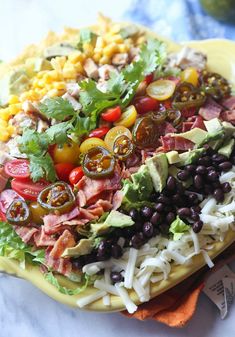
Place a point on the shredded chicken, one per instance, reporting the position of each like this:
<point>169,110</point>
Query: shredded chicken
<point>120,59</point>
<point>91,68</point>
<point>187,57</point>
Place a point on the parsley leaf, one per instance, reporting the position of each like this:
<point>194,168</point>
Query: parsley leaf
<point>42,167</point>
<point>57,108</point>
<point>33,142</point>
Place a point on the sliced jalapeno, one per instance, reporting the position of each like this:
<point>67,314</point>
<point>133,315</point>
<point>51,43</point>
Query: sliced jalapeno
<point>187,96</point>
<point>123,147</point>
<point>173,116</point>
<point>57,197</point>
<point>18,213</point>
<point>98,163</point>
<point>159,116</point>
<point>214,85</point>
<point>145,132</point>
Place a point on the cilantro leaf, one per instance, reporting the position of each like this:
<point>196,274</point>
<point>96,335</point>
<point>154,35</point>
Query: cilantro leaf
<point>33,142</point>
<point>58,133</point>
<point>42,167</point>
<point>57,108</point>
<point>82,126</point>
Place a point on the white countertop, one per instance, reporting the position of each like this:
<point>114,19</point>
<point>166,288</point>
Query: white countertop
<point>24,310</point>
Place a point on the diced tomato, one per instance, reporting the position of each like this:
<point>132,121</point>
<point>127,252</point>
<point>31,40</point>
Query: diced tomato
<point>99,132</point>
<point>17,168</point>
<point>112,114</point>
<point>6,198</point>
<point>27,188</point>
<point>63,170</point>
<point>76,175</point>
<point>51,149</point>
<point>149,78</point>
<point>145,104</point>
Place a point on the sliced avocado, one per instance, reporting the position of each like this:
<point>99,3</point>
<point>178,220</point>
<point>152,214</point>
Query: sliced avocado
<point>213,126</point>
<point>60,49</point>
<point>189,157</point>
<point>227,147</point>
<point>158,169</point>
<point>173,157</point>
<point>84,247</point>
<point>196,135</point>
<point>35,64</point>
<point>142,182</point>
<point>129,31</point>
<point>228,128</point>
<point>211,137</point>
<point>99,228</point>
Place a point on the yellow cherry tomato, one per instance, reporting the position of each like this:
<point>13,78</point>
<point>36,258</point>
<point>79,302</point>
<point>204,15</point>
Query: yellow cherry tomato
<point>115,132</point>
<point>128,117</point>
<point>89,143</point>
<point>190,75</point>
<point>66,153</point>
<point>161,89</point>
<point>37,213</point>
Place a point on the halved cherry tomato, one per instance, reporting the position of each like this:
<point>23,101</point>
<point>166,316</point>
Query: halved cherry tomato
<point>149,78</point>
<point>128,117</point>
<point>145,104</point>
<point>161,89</point>
<point>89,143</point>
<point>76,175</point>
<point>27,188</point>
<point>17,168</point>
<point>63,170</point>
<point>66,153</point>
<point>114,133</point>
<point>6,198</point>
<point>112,114</point>
<point>190,75</point>
<point>99,132</point>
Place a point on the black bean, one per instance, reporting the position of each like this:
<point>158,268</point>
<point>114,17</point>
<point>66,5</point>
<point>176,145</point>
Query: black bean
<point>156,218</point>
<point>212,176</point>
<point>79,262</point>
<point>163,199</point>
<point>198,181</point>
<point>226,187</point>
<point>168,208</point>
<point>148,229</point>
<point>137,240</point>
<point>184,212</point>
<point>201,170</point>
<point>195,216</point>
<point>183,175</point>
<point>138,226</point>
<point>180,188</point>
<point>192,198</point>
<point>209,150</point>
<point>164,228</point>
<point>191,168</point>
<point>197,226</point>
<point>134,214</point>
<point>218,194</point>
<point>146,212</point>
<point>90,258</point>
<point>211,168</point>
<point>159,207</point>
<point>195,209</point>
<point>171,183</point>
<point>116,251</point>
<point>116,277</point>
<point>225,166</point>
<point>177,200</point>
<point>170,217</point>
<point>219,158</point>
<point>216,184</point>
<point>208,189</point>
<point>232,159</point>
<point>205,161</point>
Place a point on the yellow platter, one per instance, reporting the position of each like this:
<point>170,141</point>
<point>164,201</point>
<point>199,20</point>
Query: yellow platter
<point>221,59</point>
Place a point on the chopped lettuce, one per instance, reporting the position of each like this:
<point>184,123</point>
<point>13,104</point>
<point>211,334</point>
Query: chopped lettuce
<point>178,228</point>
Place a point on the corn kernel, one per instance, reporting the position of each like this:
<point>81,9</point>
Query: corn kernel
<point>58,63</point>
<point>110,50</point>
<point>105,60</point>
<point>53,93</point>
<point>5,114</point>
<point>15,108</point>
<point>76,57</point>
<point>97,57</point>
<point>79,68</point>
<point>10,129</point>
<point>122,48</point>
<point>115,28</point>
<point>100,43</point>
<point>13,99</point>
<point>4,135</point>
<point>3,123</point>
<point>69,71</point>
<point>59,85</point>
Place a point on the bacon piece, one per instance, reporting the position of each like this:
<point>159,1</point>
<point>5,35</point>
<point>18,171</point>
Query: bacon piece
<point>166,128</point>
<point>117,199</point>
<point>41,239</point>
<point>210,110</point>
<point>176,143</point>
<point>194,122</point>
<point>228,116</point>
<point>187,126</point>
<point>26,233</point>
<point>60,265</point>
<point>66,240</point>
<point>53,222</point>
<point>229,103</point>
<point>3,179</point>
<point>81,198</point>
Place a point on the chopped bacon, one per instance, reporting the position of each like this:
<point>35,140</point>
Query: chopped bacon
<point>117,199</point>
<point>100,207</point>
<point>81,198</point>
<point>166,128</point>
<point>26,233</point>
<point>193,122</point>
<point>187,126</point>
<point>41,239</point>
<point>53,222</point>
<point>60,265</point>
<point>229,103</point>
<point>210,110</point>
<point>3,179</point>
<point>66,240</point>
<point>228,116</point>
<point>176,143</point>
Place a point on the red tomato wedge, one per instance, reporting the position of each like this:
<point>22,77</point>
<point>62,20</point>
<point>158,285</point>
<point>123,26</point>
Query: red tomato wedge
<point>17,168</point>
<point>6,198</point>
<point>27,188</point>
<point>99,132</point>
<point>112,114</point>
<point>63,170</point>
<point>144,104</point>
<point>149,78</point>
<point>76,175</point>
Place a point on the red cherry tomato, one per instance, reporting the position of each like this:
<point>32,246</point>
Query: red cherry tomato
<point>27,188</point>
<point>76,175</point>
<point>145,104</point>
<point>6,198</point>
<point>112,114</point>
<point>2,216</point>
<point>99,132</point>
<point>17,168</point>
<point>149,78</point>
<point>63,170</point>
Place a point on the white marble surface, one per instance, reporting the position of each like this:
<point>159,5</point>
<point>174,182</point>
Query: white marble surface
<point>24,310</point>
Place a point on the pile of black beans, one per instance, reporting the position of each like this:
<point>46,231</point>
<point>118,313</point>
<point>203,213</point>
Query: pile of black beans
<point>174,200</point>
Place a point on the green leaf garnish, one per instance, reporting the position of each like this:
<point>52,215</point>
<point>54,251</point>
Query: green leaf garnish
<point>57,108</point>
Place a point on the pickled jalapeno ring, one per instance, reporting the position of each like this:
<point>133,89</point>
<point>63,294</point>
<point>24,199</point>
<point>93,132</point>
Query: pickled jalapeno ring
<point>57,197</point>
<point>187,96</point>
<point>159,117</point>
<point>145,132</point>
<point>98,163</point>
<point>214,85</point>
<point>123,147</point>
<point>173,116</point>
<point>18,213</point>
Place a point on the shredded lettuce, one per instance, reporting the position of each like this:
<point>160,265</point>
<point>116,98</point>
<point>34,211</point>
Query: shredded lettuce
<point>178,228</point>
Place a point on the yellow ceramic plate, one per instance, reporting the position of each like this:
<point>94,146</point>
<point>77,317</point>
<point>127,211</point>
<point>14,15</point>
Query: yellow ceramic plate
<point>221,59</point>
